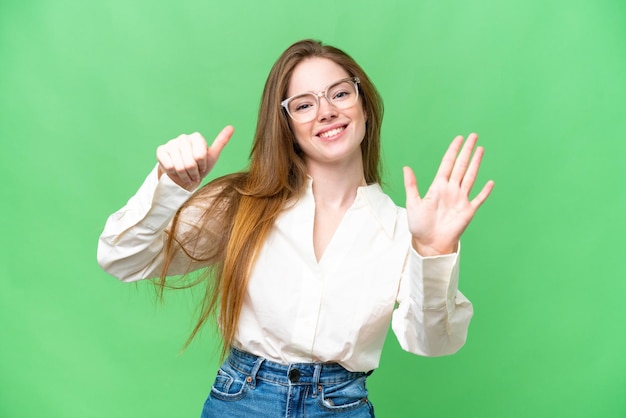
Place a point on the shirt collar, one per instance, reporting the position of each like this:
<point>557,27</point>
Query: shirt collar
<point>381,207</point>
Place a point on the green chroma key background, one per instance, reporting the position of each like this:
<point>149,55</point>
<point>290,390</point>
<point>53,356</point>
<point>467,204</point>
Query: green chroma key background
<point>88,90</point>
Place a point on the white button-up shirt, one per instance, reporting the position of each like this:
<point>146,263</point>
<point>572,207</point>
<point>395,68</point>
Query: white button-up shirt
<point>298,309</point>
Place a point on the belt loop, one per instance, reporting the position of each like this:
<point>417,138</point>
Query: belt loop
<point>255,369</point>
<point>316,378</point>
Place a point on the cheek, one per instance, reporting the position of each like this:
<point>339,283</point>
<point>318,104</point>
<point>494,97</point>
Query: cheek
<point>361,129</point>
<point>300,132</point>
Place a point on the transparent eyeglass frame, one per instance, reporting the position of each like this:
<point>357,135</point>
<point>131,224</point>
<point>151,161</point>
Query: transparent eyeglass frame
<point>310,116</point>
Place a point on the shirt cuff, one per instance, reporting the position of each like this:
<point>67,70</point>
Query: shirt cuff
<point>164,196</point>
<point>440,279</point>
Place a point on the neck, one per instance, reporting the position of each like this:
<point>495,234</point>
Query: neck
<point>336,186</point>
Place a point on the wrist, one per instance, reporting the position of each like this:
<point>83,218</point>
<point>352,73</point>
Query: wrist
<point>433,250</point>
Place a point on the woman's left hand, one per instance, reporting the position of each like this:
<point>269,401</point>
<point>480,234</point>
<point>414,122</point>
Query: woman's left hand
<point>437,220</point>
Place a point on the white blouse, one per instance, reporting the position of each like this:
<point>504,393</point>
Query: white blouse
<point>298,309</point>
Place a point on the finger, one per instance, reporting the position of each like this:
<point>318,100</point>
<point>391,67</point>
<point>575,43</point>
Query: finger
<point>463,159</point>
<point>483,195</point>
<point>219,143</point>
<point>472,171</point>
<point>181,151</point>
<point>182,160</point>
<point>189,168</point>
<point>199,150</point>
<point>410,185</point>
<point>447,162</point>
<point>164,158</point>
<point>168,157</point>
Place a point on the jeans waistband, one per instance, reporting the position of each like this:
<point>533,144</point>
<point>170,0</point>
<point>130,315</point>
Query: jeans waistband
<point>290,374</point>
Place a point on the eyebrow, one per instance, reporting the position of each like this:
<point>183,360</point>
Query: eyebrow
<point>318,91</point>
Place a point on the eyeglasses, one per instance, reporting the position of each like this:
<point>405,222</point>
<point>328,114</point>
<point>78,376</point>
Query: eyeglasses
<point>305,107</point>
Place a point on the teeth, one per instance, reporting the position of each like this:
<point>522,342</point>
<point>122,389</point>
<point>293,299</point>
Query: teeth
<point>330,133</point>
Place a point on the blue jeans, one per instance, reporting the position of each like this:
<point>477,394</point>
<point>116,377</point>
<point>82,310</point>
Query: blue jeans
<point>250,386</point>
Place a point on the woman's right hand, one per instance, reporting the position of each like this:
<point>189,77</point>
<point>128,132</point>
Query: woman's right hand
<point>187,159</point>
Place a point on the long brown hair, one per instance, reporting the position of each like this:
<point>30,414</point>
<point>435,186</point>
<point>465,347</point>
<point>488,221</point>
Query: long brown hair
<point>235,213</point>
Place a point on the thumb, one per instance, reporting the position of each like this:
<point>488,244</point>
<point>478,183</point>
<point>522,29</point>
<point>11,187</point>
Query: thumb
<point>214,151</point>
<point>410,185</point>
<point>220,141</point>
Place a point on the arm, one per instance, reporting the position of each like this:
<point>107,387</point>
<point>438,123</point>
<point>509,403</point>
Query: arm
<point>433,316</point>
<point>131,245</point>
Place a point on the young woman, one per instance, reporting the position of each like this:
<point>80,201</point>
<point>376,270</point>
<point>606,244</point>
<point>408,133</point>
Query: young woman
<point>305,259</point>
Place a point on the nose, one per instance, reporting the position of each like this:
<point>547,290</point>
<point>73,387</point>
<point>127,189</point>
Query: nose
<point>326,110</point>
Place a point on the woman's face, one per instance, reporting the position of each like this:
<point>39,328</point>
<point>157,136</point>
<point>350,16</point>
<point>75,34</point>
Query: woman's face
<point>334,135</point>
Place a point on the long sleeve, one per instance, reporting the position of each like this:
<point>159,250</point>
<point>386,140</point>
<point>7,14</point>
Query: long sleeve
<point>433,316</point>
<point>131,245</point>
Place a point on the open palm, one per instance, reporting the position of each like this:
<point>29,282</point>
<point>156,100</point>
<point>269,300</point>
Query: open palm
<point>438,219</point>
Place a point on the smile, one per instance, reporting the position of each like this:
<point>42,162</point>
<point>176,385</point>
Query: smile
<point>332,132</point>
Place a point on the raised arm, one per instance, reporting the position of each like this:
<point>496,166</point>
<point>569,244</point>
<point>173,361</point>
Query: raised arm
<point>433,316</point>
<point>131,245</point>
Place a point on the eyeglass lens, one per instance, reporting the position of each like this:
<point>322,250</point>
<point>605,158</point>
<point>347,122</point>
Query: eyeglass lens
<point>342,94</point>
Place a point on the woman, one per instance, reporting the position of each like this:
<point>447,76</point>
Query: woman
<point>305,256</point>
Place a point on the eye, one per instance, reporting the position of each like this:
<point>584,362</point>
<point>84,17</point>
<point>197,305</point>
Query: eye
<point>302,104</point>
<point>342,91</point>
<point>341,95</point>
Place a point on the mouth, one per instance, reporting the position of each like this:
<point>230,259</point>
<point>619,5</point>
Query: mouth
<point>332,132</point>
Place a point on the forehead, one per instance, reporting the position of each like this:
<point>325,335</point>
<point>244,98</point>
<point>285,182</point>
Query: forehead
<point>314,74</point>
